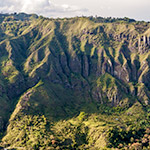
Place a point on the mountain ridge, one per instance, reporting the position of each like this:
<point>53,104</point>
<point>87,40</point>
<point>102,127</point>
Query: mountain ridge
<point>70,69</point>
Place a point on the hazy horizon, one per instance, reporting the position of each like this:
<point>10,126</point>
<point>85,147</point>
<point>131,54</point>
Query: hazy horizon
<point>135,9</point>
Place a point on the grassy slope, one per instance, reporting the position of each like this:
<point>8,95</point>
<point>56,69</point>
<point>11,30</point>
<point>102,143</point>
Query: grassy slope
<point>49,114</point>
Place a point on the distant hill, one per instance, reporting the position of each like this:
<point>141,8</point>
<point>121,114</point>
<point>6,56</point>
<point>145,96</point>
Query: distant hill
<point>17,17</point>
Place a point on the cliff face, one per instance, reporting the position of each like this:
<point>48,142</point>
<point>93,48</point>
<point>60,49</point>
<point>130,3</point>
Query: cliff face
<point>55,66</point>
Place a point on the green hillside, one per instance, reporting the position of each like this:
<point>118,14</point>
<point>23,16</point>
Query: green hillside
<point>74,83</point>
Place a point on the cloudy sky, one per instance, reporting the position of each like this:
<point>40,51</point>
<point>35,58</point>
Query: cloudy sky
<point>137,9</point>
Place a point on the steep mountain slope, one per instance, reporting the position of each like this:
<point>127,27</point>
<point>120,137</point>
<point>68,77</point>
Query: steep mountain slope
<point>65,82</point>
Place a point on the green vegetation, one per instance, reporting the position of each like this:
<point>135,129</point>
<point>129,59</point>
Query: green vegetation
<point>107,127</point>
<point>74,83</point>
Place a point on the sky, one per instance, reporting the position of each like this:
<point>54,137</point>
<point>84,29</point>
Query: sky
<point>136,9</point>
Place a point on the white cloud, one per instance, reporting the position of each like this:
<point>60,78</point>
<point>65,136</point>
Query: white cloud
<point>41,7</point>
<point>138,9</point>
